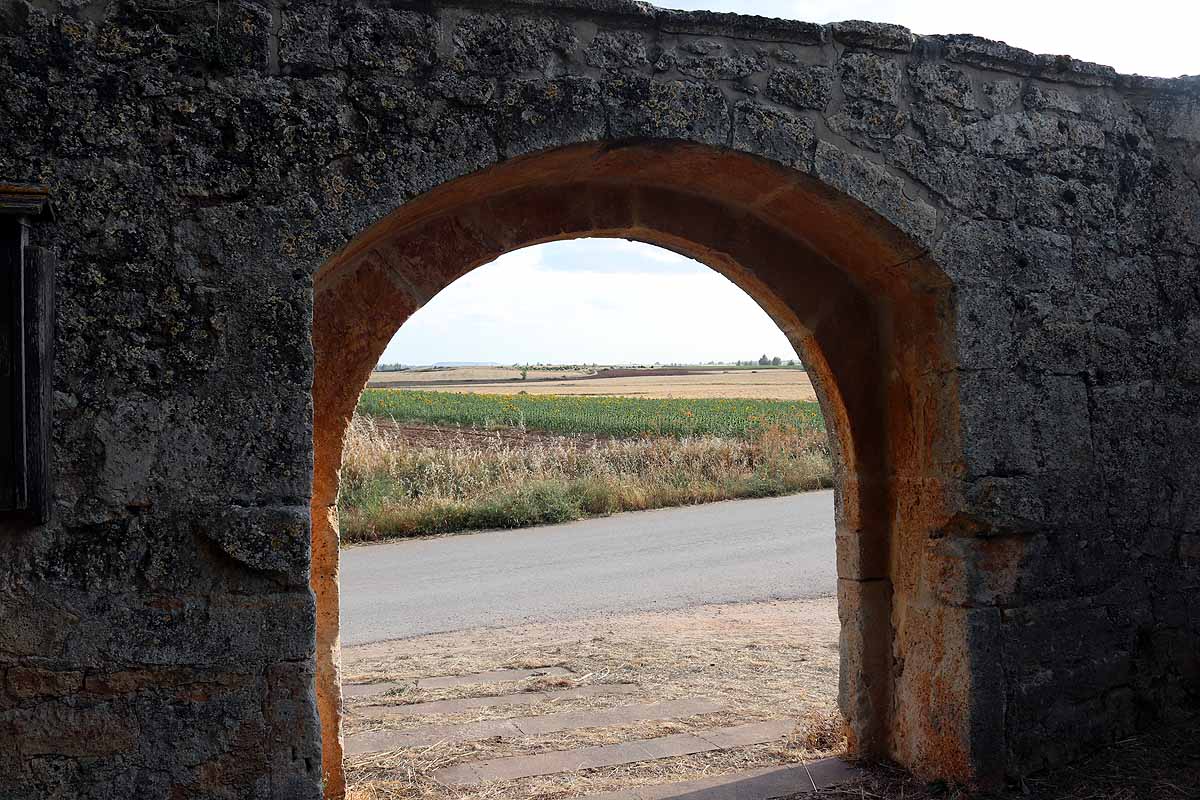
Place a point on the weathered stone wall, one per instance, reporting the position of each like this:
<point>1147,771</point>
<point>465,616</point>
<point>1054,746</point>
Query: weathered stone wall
<point>157,639</point>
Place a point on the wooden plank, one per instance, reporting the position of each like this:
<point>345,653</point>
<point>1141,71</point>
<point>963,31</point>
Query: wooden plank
<point>40,266</point>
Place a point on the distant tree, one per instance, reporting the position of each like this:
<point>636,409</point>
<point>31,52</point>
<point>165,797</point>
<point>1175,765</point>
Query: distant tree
<point>776,361</point>
<point>791,362</point>
<point>763,360</point>
<point>524,372</point>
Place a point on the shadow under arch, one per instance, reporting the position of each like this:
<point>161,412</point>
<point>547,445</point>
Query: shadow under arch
<point>871,315</point>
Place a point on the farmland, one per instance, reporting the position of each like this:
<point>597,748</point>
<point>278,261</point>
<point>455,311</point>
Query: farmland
<point>695,383</point>
<point>439,459</point>
<point>471,375</point>
<point>614,417</point>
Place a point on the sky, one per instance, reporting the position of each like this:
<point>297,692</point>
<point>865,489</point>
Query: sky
<point>615,302</point>
<point>602,301</point>
<point>1150,37</point>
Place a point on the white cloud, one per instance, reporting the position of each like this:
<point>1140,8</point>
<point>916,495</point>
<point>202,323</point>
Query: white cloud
<point>531,305</point>
<point>613,255</point>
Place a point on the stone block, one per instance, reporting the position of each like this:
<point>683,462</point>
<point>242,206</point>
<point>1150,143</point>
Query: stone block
<point>1189,547</point>
<point>784,135</point>
<point>27,682</point>
<point>499,44</point>
<point>641,107</point>
<point>807,86</point>
<point>614,50</point>
<point>871,77</point>
<point>875,35</point>
<point>308,38</point>
<point>869,124</point>
<point>722,64</point>
<point>542,112</point>
<point>868,182</point>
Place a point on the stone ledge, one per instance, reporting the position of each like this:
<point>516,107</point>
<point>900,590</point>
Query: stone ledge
<point>959,48</point>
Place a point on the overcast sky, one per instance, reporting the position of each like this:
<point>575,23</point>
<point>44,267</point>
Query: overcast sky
<point>609,301</point>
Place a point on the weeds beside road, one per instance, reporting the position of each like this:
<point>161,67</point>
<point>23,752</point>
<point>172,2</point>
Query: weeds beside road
<point>391,487</point>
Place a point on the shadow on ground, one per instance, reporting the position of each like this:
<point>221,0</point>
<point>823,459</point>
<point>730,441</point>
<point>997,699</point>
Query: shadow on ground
<point>1161,765</point>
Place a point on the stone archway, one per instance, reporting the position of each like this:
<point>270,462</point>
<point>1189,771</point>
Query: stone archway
<point>871,314</point>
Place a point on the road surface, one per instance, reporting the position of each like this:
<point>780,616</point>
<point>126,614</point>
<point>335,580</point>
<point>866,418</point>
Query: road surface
<point>736,551</point>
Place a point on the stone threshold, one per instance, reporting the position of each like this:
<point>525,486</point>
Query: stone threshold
<point>382,740</point>
<point>447,681</point>
<point>765,783</point>
<point>682,744</point>
<point>462,704</point>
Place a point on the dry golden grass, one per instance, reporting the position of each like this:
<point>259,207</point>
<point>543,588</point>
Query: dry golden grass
<point>391,488</point>
<point>761,660</point>
<point>766,384</point>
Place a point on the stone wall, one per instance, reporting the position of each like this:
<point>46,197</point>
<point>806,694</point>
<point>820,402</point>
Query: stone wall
<point>158,638</point>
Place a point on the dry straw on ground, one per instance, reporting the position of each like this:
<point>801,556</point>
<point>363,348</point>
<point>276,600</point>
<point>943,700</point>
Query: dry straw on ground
<point>762,661</point>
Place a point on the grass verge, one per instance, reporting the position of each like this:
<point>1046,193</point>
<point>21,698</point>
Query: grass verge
<point>393,489</point>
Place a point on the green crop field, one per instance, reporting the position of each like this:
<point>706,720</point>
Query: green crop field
<point>619,417</point>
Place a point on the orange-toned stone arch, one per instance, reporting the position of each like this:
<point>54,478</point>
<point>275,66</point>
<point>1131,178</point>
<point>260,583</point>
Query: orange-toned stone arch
<point>869,312</point>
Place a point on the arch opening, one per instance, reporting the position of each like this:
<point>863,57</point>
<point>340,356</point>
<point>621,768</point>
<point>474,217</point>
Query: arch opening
<point>869,313</point>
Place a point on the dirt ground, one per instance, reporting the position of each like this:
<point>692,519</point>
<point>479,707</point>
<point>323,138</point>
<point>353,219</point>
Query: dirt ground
<point>760,661</point>
<point>768,384</point>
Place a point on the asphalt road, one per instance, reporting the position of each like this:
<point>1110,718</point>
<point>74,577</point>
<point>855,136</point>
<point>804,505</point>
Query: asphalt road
<point>742,550</point>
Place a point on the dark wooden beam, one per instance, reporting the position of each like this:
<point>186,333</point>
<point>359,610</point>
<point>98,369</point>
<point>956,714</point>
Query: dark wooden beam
<point>26,343</point>
<point>13,495</point>
<point>39,375</point>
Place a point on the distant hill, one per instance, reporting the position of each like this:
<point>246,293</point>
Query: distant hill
<point>465,364</point>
